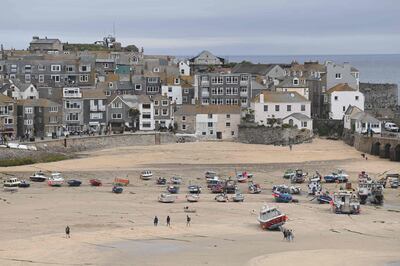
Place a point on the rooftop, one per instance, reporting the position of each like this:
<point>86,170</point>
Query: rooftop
<point>341,87</point>
<point>188,109</point>
<point>280,97</point>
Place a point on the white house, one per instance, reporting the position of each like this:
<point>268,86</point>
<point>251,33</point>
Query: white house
<point>146,121</point>
<point>361,122</point>
<point>184,68</point>
<point>20,91</point>
<point>173,92</point>
<point>340,97</point>
<point>298,120</point>
<point>280,106</point>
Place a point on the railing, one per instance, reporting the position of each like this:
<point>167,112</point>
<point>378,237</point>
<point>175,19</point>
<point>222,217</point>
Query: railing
<point>73,95</point>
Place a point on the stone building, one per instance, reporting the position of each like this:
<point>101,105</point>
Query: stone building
<point>8,116</point>
<point>45,45</point>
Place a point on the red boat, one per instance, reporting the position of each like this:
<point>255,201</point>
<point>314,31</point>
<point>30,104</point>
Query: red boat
<point>95,182</point>
<point>271,218</point>
<point>242,177</point>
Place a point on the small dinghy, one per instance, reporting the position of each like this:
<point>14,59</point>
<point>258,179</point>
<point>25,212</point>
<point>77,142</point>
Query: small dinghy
<point>187,209</point>
<point>282,197</point>
<point>166,198</point>
<point>117,189</point>
<point>194,189</point>
<point>24,184</point>
<point>254,188</point>
<point>221,198</point>
<point>238,197</point>
<point>146,175</point>
<point>192,197</point>
<point>55,180</point>
<point>161,181</point>
<point>173,189</point>
<point>74,183</point>
<point>175,180</point>
<point>38,177</point>
<point>95,182</point>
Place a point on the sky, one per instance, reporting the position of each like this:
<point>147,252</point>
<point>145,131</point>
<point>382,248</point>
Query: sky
<point>225,27</point>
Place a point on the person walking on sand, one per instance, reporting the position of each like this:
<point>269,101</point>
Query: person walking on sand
<point>188,219</point>
<point>290,146</point>
<point>67,231</point>
<point>168,221</point>
<point>155,221</point>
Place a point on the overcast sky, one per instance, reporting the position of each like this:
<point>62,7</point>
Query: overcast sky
<point>225,27</point>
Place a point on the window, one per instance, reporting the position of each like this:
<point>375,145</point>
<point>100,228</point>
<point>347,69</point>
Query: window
<point>338,75</point>
<point>70,68</point>
<point>232,91</point>
<point>41,68</point>
<point>231,80</point>
<point>28,110</point>
<point>164,103</point>
<point>227,124</point>
<point>277,108</point>
<point>295,81</point>
<point>289,108</point>
<point>217,80</point>
<point>28,68</point>
<point>233,133</point>
<point>72,105</point>
<point>117,116</point>
<point>152,80</point>
<point>183,127</point>
<point>228,116</point>
<point>146,125</point>
<point>156,69</point>
<point>8,121</point>
<point>28,122</point>
<point>177,81</point>
<point>183,118</point>
<point>186,91</point>
<point>210,124</point>
<point>41,78</point>
<point>336,98</point>
<point>12,76</point>
<point>304,124</point>
<point>56,78</point>
<point>14,68</point>
<point>265,108</point>
<point>344,108</point>
<point>164,112</point>
<point>146,106</point>
<point>108,93</point>
<point>156,112</point>
<point>169,89</point>
<point>138,87</point>
<point>84,68</point>
<point>203,133</point>
<point>53,119</point>
<point>55,68</point>
<point>96,116</point>
<point>244,100</point>
<point>146,115</point>
<point>116,105</point>
<point>210,116</point>
<point>211,132</point>
<point>53,109</point>
<point>204,79</point>
<point>205,101</point>
<point>244,78</point>
<point>182,71</point>
<point>27,78</point>
<point>303,107</point>
<point>357,98</point>
<point>152,89</point>
<point>72,117</point>
<point>83,78</point>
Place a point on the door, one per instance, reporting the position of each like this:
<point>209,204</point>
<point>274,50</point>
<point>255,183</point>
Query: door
<point>219,135</point>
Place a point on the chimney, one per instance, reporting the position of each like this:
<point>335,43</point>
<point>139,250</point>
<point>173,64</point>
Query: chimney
<point>261,98</point>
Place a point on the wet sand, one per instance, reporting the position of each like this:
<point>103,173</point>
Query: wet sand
<point>111,229</point>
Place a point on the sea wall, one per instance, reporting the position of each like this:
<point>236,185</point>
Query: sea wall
<point>328,127</point>
<point>272,135</point>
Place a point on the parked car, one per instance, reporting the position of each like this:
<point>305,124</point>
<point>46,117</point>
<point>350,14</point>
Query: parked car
<point>389,126</point>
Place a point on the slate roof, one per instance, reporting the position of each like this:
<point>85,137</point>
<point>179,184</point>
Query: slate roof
<point>255,69</point>
<point>365,118</point>
<point>287,82</point>
<point>280,97</point>
<point>93,94</point>
<point>45,41</point>
<point>4,98</point>
<point>298,116</point>
<point>37,102</point>
<point>190,109</point>
<point>341,87</point>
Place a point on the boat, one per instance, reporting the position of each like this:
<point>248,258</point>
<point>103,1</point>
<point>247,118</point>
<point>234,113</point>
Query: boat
<point>364,189</point>
<point>218,188</point>
<point>289,173</point>
<point>188,209</point>
<point>221,197</point>
<point>55,180</point>
<point>271,218</point>
<point>11,184</point>
<point>192,197</point>
<point>254,188</point>
<point>194,189</point>
<point>212,181</point>
<point>146,175</point>
<point>173,189</point>
<point>238,197</point>
<point>166,198</point>
<point>377,193</point>
<point>230,186</point>
<point>24,184</point>
<point>393,181</point>
<point>323,198</point>
<point>210,174</point>
<point>95,182</point>
<point>282,197</point>
<point>299,176</point>
<point>314,187</point>
<point>161,181</point>
<point>175,180</point>
<point>363,175</point>
<point>121,182</point>
<point>74,183</point>
<point>339,176</point>
<point>38,177</point>
<point>117,189</point>
<point>345,202</point>
<point>243,176</point>
<point>285,189</point>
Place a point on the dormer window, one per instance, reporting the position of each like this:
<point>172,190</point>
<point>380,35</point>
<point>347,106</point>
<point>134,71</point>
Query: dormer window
<point>177,81</point>
<point>156,70</point>
<point>295,81</point>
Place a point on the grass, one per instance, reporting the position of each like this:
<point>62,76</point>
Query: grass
<point>29,160</point>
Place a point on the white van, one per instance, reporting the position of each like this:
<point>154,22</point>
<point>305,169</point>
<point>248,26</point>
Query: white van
<point>391,127</point>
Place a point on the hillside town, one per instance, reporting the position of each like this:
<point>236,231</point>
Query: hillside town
<point>55,89</point>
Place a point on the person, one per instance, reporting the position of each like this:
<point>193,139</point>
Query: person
<point>155,221</point>
<point>188,219</point>
<point>290,236</point>
<point>67,231</point>
<point>290,146</point>
<point>168,221</point>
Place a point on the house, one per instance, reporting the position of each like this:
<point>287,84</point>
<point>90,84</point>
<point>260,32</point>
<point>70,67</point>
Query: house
<point>8,116</point>
<point>94,110</point>
<point>206,58</point>
<point>294,84</point>
<point>39,118</point>
<point>340,97</point>
<point>45,45</point>
<point>358,121</point>
<point>20,91</point>
<point>163,111</point>
<point>208,121</point>
<point>340,74</point>
<point>278,106</point>
<point>265,72</point>
<point>298,120</point>
<point>173,92</point>
<point>73,109</point>
<point>184,68</point>
<point>223,89</point>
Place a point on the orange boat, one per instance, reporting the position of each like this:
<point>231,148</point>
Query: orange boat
<point>121,181</point>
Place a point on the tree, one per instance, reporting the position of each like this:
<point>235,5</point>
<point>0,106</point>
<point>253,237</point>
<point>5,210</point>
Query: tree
<point>134,113</point>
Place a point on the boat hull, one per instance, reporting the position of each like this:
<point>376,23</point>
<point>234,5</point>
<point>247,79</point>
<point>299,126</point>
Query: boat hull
<point>74,183</point>
<point>274,223</point>
<point>37,179</point>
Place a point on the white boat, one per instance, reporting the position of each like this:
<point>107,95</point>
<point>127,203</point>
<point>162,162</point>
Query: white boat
<point>210,174</point>
<point>238,197</point>
<point>221,198</point>
<point>314,187</point>
<point>146,175</point>
<point>271,218</point>
<point>166,198</point>
<point>192,197</point>
<point>175,180</point>
<point>11,184</point>
<point>345,202</point>
<point>38,177</point>
<point>55,180</point>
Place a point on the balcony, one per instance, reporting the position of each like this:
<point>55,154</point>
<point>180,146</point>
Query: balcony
<point>205,82</point>
<point>244,94</point>
<point>72,95</point>
<point>244,82</point>
<point>205,94</point>
<point>93,108</point>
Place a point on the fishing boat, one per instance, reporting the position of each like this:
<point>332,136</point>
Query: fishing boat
<point>393,181</point>
<point>24,184</point>
<point>339,176</point>
<point>212,181</point>
<point>299,176</point>
<point>166,198</point>
<point>146,175</point>
<point>175,180</point>
<point>238,197</point>
<point>55,180</point>
<point>74,183</point>
<point>345,202</point>
<point>221,197</point>
<point>218,188</point>
<point>254,188</point>
<point>377,193</point>
<point>11,184</point>
<point>38,177</point>
<point>289,173</point>
<point>294,190</point>
<point>121,182</point>
<point>364,189</point>
<point>271,218</point>
<point>117,189</point>
<point>314,186</point>
<point>282,197</point>
<point>161,181</point>
<point>243,176</point>
<point>95,182</point>
<point>192,197</point>
<point>194,189</point>
<point>230,186</point>
<point>173,189</point>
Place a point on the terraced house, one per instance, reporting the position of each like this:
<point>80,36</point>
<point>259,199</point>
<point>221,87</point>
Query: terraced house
<point>8,116</point>
<point>73,109</point>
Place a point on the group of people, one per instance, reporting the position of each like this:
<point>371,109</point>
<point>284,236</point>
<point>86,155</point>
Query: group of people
<point>168,220</point>
<point>287,234</point>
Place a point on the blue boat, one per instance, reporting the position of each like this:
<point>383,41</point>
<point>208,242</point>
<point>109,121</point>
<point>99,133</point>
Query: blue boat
<point>173,189</point>
<point>324,198</point>
<point>282,197</point>
<point>24,184</point>
<point>74,183</point>
<point>117,190</point>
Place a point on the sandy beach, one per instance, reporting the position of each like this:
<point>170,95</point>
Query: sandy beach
<point>117,229</point>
